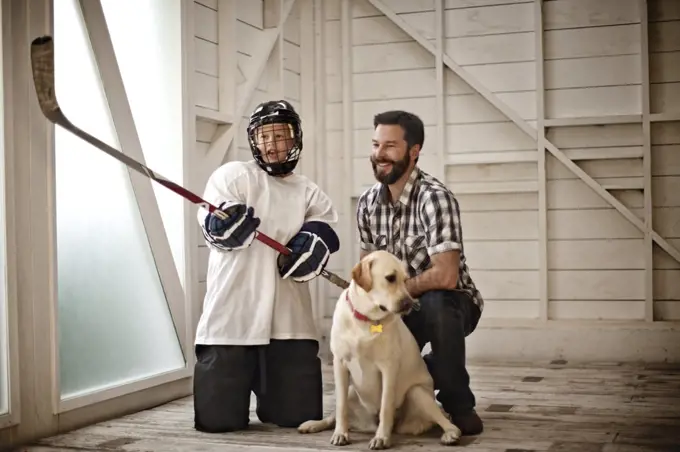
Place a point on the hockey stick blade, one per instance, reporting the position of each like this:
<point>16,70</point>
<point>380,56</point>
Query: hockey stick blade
<point>42,63</point>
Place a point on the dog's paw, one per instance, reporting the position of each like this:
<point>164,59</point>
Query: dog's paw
<point>379,442</point>
<point>450,437</point>
<point>340,439</point>
<point>311,427</point>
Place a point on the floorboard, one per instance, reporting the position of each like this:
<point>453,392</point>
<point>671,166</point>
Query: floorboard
<point>554,407</point>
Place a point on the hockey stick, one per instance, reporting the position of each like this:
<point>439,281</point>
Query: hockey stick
<point>42,62</point>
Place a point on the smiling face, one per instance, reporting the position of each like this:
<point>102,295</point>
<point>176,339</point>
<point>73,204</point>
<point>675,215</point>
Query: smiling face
<point>391,158</point>
<point>274,141</point>
<point>383,277</point>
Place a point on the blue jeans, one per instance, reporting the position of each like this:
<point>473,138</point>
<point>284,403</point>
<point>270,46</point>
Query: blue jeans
<point>444,320</point>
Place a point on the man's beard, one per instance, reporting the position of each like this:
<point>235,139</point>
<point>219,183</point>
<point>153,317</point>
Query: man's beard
<point>398,169</point>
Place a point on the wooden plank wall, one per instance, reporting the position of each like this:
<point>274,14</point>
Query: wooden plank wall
<point>252,18</point>
<point>580,72</point>
<point>600,80</point>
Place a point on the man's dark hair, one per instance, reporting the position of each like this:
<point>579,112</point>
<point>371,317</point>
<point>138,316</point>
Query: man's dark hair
<point>414,130</point>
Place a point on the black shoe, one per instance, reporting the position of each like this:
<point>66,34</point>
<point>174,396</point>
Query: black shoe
<point>469,423</point>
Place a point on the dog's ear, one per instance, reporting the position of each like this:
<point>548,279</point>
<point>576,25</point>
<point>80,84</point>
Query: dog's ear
<point>361,273</point>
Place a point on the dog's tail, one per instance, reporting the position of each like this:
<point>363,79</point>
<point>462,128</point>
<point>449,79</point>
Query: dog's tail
<point>326,423</point>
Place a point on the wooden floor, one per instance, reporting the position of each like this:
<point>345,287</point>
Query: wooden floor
<point>555,406</point>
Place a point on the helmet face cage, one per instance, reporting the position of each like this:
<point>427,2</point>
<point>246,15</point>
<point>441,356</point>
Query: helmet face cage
<point>276,112</point>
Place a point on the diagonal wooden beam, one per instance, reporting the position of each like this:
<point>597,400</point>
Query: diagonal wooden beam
<point>126,132</point>
<point>526,128</point>
<point>218,149</point>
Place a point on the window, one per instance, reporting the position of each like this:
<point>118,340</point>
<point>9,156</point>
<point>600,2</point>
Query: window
<point>114,322</point>
<point>146,38</point>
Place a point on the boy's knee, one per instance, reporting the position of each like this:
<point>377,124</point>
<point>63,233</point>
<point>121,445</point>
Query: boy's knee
<point>222,381</point>
<point>225,423</point>
<point>293,420</point>
<point>304,406</point>
<point>220,412</point>
<point>295,386</point>
<point>294,403</point>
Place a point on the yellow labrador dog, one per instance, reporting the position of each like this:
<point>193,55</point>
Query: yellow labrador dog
<point>381,381</point>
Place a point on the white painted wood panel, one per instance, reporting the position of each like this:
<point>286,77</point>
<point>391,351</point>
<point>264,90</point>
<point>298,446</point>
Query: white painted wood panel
<point>569,14</point>
<point>206,91</point>
<point>595,259</point>
<point>589,92</point>
<point>205,57</point>
<point>250,12</point>
<point>212,4</point>
<point>600,101</point>
<point>592,69</point>
<point>592,42</point>
<point>458,23</point>
<point>205,22</point>
<point>461,109</point>
<point>603,71</point>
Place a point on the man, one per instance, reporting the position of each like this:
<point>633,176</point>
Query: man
<point>414,216</point>
<point>256,332</point>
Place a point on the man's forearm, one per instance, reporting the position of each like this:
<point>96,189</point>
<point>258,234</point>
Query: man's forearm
<point>432,279</point>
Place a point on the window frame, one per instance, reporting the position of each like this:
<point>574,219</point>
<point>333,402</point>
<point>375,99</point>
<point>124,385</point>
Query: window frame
<point>179,300</point>
<point>11,339</point>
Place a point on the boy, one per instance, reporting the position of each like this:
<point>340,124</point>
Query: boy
<point>257,332</point>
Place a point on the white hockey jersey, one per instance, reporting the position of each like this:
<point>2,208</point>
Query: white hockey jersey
<point>246,301</point>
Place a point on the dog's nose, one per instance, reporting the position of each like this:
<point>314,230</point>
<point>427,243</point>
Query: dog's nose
<point>405,304</point>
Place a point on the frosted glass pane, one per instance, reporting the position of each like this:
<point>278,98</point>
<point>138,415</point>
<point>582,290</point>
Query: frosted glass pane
<point>147,40</point>
<point>114,321</point>
<point>4,350</point>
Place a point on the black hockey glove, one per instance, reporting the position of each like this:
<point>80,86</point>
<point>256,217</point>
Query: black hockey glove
<point>234,233</point>
<point>309,255</point>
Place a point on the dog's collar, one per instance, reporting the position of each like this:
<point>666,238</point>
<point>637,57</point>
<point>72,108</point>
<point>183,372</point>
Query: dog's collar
<point>376,327</point>
<point>356,313</point>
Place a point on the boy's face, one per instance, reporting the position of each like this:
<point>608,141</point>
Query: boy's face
<point>274,141</point>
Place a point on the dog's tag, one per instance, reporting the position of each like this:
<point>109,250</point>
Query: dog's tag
<point>376,328</point>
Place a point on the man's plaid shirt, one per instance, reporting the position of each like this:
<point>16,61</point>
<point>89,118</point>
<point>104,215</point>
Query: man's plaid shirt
<point>423,222</point>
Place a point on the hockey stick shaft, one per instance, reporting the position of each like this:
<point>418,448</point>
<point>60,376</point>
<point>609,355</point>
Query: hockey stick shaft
<point>42,62</point>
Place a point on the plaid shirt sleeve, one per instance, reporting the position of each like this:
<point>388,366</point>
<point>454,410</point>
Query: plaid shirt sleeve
<point>441,217</point>
<point>364,226</point>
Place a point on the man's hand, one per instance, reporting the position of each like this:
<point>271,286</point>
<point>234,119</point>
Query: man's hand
<point>443,274</point>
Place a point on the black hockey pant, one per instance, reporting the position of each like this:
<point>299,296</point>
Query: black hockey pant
<point>284,375</point>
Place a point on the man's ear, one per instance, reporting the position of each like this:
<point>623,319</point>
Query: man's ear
<point>414,151</point>
<point>361,274</point>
